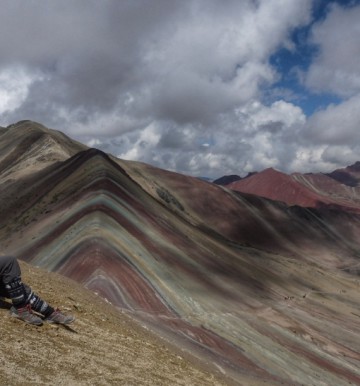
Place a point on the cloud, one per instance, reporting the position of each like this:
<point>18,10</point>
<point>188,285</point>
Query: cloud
<point>336,68</point>
<point>253,137</point>
<point>273,133</point>
<point>337,124</point>
<point>181,85</point>
<point>341,154</point>
<point>14,88</point>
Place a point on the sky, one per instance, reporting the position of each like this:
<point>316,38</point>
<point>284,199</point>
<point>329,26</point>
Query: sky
<point>201,87</point>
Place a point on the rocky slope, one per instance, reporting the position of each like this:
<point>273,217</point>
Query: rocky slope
<point>262,291</point>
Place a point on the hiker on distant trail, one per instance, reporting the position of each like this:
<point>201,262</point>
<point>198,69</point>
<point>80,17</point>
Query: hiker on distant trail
<point>26,305</point>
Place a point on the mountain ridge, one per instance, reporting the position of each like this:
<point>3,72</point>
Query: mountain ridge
<point>243,283</point>
<point>311,190</point>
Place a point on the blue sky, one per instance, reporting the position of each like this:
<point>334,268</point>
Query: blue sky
<point>289,63</point>
<point>200,87</point>
<point>301,58</point>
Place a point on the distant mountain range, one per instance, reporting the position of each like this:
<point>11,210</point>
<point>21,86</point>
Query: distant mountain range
<point>258,279</point>
<point>340,188</point>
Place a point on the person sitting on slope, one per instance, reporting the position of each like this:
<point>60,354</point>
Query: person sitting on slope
<point>26,305</point>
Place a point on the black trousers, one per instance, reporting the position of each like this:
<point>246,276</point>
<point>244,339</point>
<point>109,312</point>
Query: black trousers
<point>9,270</point>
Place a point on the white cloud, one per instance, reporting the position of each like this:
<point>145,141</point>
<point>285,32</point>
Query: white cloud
<point>323,158</point>
<point>336,68</point>
<point>216,58</point>
<point>14,88</point>
<point>272,118</point>
<point>341,154</point>
<point>144,144</point>
<point>272,131</point>
<point>337,124</point>
<point>332,134</point>
<point>310,157</point>
<point>180,84</point>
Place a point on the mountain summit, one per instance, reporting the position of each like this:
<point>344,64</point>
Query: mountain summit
<point>340,188</point>
<point>262,290</point>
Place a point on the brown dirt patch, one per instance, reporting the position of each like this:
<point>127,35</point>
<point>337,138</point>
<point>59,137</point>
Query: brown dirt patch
<point>102,347</point>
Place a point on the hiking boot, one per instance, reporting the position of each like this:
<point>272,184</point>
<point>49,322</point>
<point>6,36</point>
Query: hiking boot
<point>25,314</point>
<point>59,318</point>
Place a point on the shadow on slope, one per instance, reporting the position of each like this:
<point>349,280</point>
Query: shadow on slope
<point>227,276</point>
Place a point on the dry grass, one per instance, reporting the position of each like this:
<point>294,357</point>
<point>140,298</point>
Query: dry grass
<point>102,347</point>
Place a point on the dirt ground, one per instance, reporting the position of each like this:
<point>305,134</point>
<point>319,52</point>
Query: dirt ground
<point>102,347</point>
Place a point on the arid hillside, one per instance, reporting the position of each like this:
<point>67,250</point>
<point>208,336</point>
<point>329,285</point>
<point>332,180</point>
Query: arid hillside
<point>262,291</point>
<point>102,347</point>
<point>339,189</point>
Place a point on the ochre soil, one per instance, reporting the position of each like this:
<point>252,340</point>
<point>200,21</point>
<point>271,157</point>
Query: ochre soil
<point>102,347</point>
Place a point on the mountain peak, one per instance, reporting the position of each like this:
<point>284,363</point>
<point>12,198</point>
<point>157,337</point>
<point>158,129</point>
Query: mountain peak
<point>355,166</point>
<point>201,266</point>
<point>225,180</point>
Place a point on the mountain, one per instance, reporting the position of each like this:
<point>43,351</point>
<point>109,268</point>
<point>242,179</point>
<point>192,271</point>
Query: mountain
<point>225,180</point>
<point>27,147</point>
<point>311,190</point>
<point>257,289</point>
<point>349,176</point>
